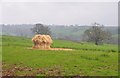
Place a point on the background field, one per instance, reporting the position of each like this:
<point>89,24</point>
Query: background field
<point>86,59</point>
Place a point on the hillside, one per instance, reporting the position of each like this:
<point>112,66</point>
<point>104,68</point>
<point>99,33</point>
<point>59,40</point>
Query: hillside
<point>73,33</point>
<point>86,59</point>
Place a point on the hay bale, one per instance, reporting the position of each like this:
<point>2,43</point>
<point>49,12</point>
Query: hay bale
<point>42,41</point>
<point>49,41</point>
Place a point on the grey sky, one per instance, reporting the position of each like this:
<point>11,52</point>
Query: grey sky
<point>83,13</point>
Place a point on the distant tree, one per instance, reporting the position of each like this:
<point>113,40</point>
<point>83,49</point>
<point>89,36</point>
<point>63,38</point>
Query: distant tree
<point>96,34</point>
<point>41,29</point>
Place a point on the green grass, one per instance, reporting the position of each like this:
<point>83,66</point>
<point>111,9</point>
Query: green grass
<point>86,58</point>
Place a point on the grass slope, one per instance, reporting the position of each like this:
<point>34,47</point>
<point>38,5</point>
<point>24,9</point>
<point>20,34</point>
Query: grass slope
<point>87,59</point>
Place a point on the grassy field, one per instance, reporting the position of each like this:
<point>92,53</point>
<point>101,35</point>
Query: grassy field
<point>86,59</point>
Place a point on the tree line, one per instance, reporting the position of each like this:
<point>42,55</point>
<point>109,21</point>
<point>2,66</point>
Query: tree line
<point>95,34</point>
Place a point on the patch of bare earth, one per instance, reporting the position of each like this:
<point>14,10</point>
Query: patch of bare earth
<point>18,70</point>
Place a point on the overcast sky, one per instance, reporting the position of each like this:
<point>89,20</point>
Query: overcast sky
<point>83,13</point>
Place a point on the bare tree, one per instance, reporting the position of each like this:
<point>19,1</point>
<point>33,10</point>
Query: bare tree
<point>96,34</point>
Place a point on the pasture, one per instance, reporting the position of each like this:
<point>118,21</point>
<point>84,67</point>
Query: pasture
<point>86,59</point>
